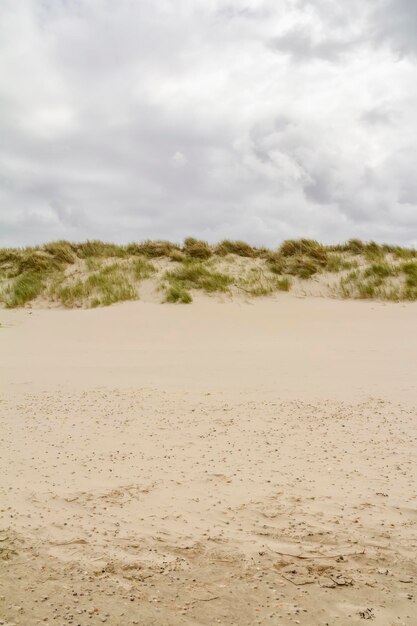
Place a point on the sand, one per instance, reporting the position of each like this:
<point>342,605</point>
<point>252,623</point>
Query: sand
<point>218,463</point>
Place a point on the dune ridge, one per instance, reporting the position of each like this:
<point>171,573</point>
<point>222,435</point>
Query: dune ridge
<point>95,273</point>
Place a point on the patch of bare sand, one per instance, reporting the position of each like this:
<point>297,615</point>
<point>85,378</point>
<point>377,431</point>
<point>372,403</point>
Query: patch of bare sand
<point>220,463</point>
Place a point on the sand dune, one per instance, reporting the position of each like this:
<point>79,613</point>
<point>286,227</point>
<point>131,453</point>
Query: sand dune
<point>225,463</point>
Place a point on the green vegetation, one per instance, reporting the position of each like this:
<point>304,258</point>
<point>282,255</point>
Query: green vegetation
<point>197,275</point>
<point>380,270</point>
<point>240,248</point>
<point>338,263</point>
<point>302,258</point>
<point>142,269</point>
<point>23,289</point>
<point>382,280</point>
<point>176,293</point>
<point>196,249</point>
<point>106,286</point>
<point>95,273</point>
<point>410,271</point>
<point>259,282</point>
<point>154,249</point>
<point>98,249</point>
<point>283,284</point>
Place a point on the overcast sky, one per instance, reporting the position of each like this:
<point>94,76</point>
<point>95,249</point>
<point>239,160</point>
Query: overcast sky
<point>258,120</point>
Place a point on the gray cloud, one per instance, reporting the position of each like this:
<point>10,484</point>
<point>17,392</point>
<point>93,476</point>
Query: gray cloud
<point>396,24</point>
<point>131,120</point>
<point>301,46</point>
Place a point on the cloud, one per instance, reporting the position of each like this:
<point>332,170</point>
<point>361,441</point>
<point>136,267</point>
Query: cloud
<point>301,46</point>
<point>258,120</point>
<point>396,24</point>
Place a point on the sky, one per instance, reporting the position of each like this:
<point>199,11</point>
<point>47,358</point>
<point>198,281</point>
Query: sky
<point>259,120</point>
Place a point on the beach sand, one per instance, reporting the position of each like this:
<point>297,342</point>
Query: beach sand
<point>226,463</point>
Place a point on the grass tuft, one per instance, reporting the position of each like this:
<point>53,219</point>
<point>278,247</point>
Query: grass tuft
<point>176,293</point>
<point>196,249</point>
<point>99,249</point>
<point>110,284</point>
<point>156,249</point>
<point>283,284</point>
<point>302,266</point>
<point>240,248</point>
<point>61,251</point>
<point>23,289</point>
<point>338,263</point>
<point>142,268</point>
<point>196,275</point>
<point>304,247</point>
<point>37,261</point>
<point>379,271</point>
<point>276,263</point>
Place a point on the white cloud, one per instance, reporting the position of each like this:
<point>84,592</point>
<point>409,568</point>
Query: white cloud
<point>259,120</point>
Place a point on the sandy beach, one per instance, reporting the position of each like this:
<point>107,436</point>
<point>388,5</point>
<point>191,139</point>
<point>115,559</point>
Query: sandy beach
<point>233,463</point>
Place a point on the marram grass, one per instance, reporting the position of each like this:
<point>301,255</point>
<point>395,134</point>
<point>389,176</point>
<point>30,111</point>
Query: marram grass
<point>96,273</point>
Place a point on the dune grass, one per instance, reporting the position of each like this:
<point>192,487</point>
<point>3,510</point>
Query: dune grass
<point>142,268</point>
<point>195,275</point>
<point>196,249</point>
<point>258,281</point>
<point>108,285</point>
<point>177,293</point>
<point>240,248</point>
<point>382,280</point>
<point>96,273</point>
<point>25,288</point>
